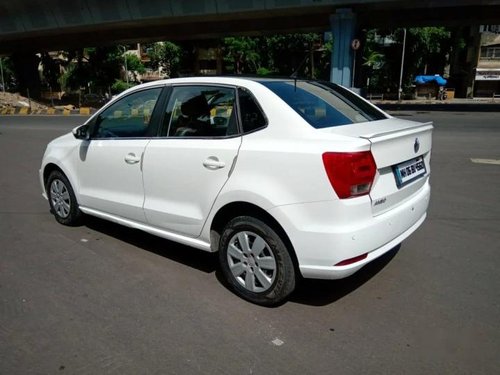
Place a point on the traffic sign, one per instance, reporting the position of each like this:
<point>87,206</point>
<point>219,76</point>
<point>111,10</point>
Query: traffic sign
<point>355,44</point>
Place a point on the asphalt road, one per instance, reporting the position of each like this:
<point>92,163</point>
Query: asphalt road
<point>103,299</point>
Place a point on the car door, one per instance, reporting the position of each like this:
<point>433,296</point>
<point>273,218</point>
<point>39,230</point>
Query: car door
<point>110,164</point>
<point>187,166</point>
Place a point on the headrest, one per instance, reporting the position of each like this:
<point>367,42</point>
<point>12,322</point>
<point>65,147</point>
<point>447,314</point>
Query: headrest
<point>197,106</point>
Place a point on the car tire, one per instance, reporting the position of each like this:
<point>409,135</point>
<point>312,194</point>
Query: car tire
<point>62,200</point>
<point>255,261</point>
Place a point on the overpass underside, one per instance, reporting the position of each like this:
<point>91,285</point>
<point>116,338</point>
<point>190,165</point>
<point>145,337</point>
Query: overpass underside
<point>59,24</point>
<point>33,26</point>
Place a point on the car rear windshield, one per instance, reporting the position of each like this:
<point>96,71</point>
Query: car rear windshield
<point>324,104</point>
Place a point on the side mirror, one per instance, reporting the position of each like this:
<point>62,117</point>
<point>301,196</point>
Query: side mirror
<point>82,132</point>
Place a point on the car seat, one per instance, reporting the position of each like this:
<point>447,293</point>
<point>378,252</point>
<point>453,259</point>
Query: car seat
<point>195,118</point>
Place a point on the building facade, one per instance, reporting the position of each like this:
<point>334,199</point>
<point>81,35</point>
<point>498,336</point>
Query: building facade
<point>487,75</point>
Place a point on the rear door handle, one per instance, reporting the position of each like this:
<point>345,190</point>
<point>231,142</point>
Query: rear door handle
<point>213,163</point>
<point>132,159</point>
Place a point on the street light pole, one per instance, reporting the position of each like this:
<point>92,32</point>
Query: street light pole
<point>1,71</point>
<point>126,69</point>
<point>125,60</point>
<point>402,64</point>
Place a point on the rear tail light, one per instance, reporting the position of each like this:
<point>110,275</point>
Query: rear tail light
<point>350,173</point>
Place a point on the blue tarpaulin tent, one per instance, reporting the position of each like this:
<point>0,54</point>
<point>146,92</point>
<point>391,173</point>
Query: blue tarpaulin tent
<point>420,80</point>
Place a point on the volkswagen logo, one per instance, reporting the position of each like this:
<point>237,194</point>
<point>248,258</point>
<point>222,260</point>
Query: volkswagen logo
<point>416,145</point>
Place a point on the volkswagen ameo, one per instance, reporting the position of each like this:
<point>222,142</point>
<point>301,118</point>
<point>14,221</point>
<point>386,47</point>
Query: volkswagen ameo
<point>284,178</point>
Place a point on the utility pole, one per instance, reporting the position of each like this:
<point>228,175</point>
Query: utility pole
<point>402,64</point>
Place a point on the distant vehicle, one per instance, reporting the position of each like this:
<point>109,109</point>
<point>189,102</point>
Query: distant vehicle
<point>431,87</point>
<point>442,95</point>
<point>440,81</point>
<point>284,178</point>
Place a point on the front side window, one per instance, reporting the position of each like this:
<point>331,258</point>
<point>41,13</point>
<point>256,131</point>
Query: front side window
<point>200,111</point>
<point>323,104</point>
<point>129,117</point>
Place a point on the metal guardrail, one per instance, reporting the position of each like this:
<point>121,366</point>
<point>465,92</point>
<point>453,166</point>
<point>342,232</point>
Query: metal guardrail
<point>376,96</point>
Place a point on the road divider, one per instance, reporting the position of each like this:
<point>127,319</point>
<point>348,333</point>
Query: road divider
<point>25,111</point>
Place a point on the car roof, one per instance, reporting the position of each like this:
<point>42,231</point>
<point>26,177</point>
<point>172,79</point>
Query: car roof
<point>231,80</point>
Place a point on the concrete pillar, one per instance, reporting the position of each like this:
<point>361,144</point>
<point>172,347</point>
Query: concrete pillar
<point>343,24</point>
<point>473,53</point>
<point>26,70</point>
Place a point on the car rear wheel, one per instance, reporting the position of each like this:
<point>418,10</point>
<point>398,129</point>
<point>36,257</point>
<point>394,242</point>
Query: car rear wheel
<point>62,199</point>
<point>256,262</point>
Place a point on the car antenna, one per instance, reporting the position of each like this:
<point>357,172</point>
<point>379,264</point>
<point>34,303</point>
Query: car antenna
<point>295,74</point>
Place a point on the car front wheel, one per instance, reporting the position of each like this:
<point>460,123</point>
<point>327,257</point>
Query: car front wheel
<point>256,262</point>
<point>62,199</point>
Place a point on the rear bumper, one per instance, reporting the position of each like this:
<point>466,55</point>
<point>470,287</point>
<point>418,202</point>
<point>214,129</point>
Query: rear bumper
<point>339,272</point>
<point>326,233</point>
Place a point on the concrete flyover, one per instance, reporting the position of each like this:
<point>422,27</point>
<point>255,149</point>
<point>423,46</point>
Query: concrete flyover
<point>56,24</point>
<point>30,26</point>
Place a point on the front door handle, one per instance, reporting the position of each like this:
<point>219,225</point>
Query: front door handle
<point>132,159</point>
<point>213,163</point>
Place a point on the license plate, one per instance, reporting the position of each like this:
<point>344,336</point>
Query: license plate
<point>409,170</point>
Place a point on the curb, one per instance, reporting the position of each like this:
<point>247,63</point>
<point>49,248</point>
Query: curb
<point>439,106</point>
<point>26,111</point>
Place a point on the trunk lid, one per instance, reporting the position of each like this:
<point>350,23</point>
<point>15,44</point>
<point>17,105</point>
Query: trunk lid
<point>401,150</point>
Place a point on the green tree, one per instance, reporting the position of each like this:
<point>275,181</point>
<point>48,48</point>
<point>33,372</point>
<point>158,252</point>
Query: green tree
<point>427,50</point>
<point>278,55</point>
<point>118,86</point>
<point>25,65</point>
<point>286,52</point>
<point>96,68</point>
<point>165,55</point>
<point>9,77</point>
<point>241,54</point>
<point>69,80</point>
<point>51,71</point>
<point>134,65</point>
<point>373,60</point>
<point>106,63</point>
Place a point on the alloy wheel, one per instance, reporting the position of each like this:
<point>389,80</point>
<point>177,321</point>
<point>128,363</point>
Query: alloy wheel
<point>251,261</point>
<point>60,198</point>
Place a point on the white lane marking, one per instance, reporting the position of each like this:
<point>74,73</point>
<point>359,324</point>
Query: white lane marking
<point>485,161</point>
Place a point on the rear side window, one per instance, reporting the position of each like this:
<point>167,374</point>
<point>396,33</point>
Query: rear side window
<point>252,117</point>
<point>323,104</point>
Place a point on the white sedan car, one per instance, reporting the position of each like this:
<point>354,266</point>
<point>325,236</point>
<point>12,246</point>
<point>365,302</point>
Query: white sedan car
<point>284,178</point>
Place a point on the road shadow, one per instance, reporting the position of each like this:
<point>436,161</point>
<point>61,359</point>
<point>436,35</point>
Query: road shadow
<point>323,292</point>
<point>189,256</point>
<point>309,292</point>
